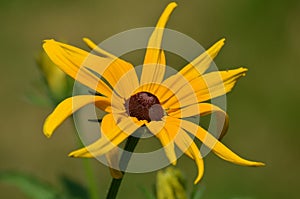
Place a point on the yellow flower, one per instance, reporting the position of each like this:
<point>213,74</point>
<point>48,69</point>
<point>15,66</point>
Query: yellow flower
<point>56,79</point>
<point>160,105</point>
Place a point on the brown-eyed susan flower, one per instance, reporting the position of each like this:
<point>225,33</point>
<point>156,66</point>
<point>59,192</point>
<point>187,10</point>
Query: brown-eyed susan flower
<point>162,105</point>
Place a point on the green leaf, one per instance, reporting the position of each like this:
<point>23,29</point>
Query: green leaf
<point>37,99</point>
<point>198,192</point>
<point>29,185</point>
<point>148,194</point>
<point>73,189</point>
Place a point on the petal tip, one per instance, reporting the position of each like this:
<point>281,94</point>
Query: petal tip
<point>47,132</point>
<point>48,44</point>
<point>48,127</point>
<point>72,155</point>
<point>219,44</point>
<point>223,41</point>
<point>80,153</point>
<point>48,40</point>
<point>87,40</point>
<point>259,164</point>
<point>173,4</point>
<point>197,180</point>
<point>243,71</point>
<point>48,135</point>
<point>174,162</point>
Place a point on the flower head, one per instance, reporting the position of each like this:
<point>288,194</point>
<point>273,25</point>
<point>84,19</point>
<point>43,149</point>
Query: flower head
<point>162,105</point>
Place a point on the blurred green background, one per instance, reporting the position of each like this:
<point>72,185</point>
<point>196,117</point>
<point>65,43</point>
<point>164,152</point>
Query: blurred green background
<point>262,35</point>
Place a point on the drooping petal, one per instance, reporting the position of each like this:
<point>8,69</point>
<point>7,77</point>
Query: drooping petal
<point>217,147</point>
<point>71,105</point>
<point>70,59</point>
<point>188,146</point>
<point>165,133</point>
<point>168,131</point>
<point>203,109</point>
<point>112,158</point>
<point>154,62</point>
<point>114,131</point>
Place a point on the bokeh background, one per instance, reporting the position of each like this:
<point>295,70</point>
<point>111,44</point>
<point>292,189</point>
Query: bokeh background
<point>262,35</point>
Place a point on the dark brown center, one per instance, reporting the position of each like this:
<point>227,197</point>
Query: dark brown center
<point>145,106</point>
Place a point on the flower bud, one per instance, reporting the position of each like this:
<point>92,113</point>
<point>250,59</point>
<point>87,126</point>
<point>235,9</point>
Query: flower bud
<point>170,184</point>
<point>56,80</point>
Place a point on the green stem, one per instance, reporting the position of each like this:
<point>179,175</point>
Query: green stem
<point>114,188</point>
<point>89,173</point>
<point>115,184</point>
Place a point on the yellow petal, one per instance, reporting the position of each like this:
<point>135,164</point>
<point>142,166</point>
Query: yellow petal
<point>187,145</point>
<point>71,105</point>
<point>70,59</point>
<point>199,65</point>
<point>191,71</point>
<point>184,96</point>
<point>126,84</point>
<point>218,148</point>
<point>209,86</point>
<point>165,134</point>
<point>119,73</point>
<point>97,49</point>
<point>114,129</point>
<point>217,83</point>
<point>203,109</point>
<point>182,140</point>
<point>154,62</point>
<point>153,73</point>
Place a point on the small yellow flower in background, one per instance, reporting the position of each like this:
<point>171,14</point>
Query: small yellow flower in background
<point>169,184</point>
<point>160,105</point>
<point>56,79</point>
